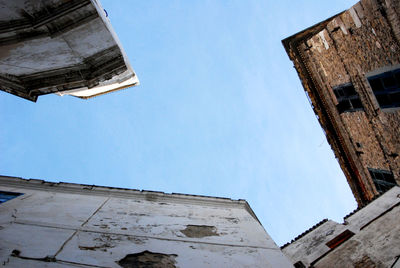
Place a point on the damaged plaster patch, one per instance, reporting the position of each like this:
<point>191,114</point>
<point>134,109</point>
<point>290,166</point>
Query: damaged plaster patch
<point>147,259</point>
<point>106,242</point>
<point>365,262</point>
<point>102,243</point>
<point>199,231</point>
<point>233,220</point>
<point>151,197</point>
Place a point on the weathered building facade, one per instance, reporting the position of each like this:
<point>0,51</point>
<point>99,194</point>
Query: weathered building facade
<point>350,68</point>
<point>45,224</point>
<point>369,237</point>
<point>64,47</point>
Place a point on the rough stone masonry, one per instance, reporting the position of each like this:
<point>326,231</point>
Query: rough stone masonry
<point>349,66</point>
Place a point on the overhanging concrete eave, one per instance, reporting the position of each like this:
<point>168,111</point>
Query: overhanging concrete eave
<point>102,69</point>
<point>109,91</point>
<point>86,93</point>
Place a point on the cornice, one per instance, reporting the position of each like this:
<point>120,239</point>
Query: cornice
<point>151,196</point>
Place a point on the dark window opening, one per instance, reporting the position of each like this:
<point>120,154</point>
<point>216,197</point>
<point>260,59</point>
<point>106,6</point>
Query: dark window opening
<point>348,99</point>
<point>299,264</point>
<point>5,196</point>
<point>386,87</point>
<point>383,179</point>
<point>340,239</point>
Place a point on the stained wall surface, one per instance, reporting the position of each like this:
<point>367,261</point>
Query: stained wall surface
<point>59,225</point>
<point>65,47</point>
<point>374,239</point>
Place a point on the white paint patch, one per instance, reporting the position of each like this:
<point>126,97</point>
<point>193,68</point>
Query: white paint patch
<point>322,36</point>
<point>340,23</point>
<point>355,17</point>
<point>359,9</point>
<point>124,80</point>
<point>323,69</point>
<point>314,45</point>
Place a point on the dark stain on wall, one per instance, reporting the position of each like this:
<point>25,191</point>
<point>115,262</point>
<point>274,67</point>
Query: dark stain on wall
<point>365,262</point>
<point>199,231</point>
<point>147,259</point>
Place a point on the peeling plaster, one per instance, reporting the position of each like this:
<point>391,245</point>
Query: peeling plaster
<point>99,227</point>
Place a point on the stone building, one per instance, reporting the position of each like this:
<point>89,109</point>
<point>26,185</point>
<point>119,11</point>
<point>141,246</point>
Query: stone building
<point>349,66</point>
<point>45,224</point>
<point>64,47</point>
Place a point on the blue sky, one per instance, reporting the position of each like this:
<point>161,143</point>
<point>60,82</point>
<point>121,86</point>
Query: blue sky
<point>220,111</point>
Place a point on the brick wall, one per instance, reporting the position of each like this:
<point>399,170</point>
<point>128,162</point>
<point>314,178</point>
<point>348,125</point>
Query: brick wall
<point>348,48</point>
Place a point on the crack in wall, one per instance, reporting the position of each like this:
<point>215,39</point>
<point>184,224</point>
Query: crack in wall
<point>76,231</point>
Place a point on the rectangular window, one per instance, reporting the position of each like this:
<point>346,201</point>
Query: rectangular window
<point>383,179</point>
<point>5,196</point>
<point>340,239</point>
<point>386,87</point>
<point>299,264</point>
<point>348,99</point>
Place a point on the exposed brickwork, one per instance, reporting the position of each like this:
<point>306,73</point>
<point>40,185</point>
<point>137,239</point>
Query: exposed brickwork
<point>365,262</point>
<point>348,48</point>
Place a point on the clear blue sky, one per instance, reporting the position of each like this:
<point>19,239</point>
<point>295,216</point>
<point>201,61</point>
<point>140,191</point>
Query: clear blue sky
<point>220,111</point>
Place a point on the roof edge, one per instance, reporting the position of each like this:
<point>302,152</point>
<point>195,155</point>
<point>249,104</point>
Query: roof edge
<point>155,196</point>
<point>304,34</point>
<point>305,232</point>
